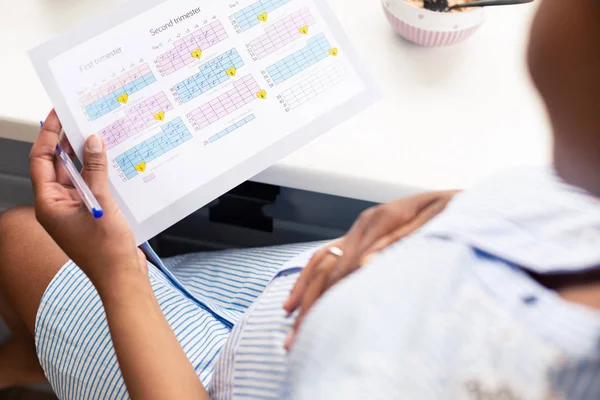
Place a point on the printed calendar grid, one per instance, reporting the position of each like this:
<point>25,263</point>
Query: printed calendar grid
<point>174,133</point>
<point>315,84</point>
<point>231,128</point>
<point>248,17</point>
<point>211,74</point>
<point>103,100</point>
<point>115,83</point>
<point>242,93</point>
<point>281,33</point>
<point>180,55</point>
<point>317,49</point>
<point>137,118</point>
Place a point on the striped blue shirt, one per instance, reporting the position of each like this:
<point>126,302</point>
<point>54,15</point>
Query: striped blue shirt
<point>452,313</point>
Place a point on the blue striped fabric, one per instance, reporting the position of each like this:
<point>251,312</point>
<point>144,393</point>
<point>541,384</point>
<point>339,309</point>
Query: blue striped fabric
<point>72,337</point>
<point>450,323</point>
<point>452,312</point>
<point>253,362</point>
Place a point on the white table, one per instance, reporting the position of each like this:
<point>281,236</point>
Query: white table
<point>450,116</point>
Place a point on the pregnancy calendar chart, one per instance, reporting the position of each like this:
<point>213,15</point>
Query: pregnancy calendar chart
<point>193,97</point>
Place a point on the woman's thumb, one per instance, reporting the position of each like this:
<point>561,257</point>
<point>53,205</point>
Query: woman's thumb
<point>95,166</point>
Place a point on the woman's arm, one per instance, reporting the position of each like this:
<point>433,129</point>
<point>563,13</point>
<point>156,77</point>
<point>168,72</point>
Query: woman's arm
<point>153,363</point>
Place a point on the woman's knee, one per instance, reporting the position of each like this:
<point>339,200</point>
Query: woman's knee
<point>15,225</point>
<point>29,259</point>
<point>24,242</point>
<point>16,215</point>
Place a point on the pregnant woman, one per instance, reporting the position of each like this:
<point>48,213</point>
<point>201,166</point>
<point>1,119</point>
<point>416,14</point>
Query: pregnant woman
<point>107,324</point>
<point>498,297</point>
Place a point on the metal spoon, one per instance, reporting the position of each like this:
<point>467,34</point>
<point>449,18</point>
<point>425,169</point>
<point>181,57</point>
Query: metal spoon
<point>485,3</point>
<point>442,5</point>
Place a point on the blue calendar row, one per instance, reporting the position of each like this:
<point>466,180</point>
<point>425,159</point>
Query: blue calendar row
<point>231,128</point>
<point>134,160</point>
<point>110,102</point>
<point>211,75</point>
<point>249,16</point>
<point>317,49</point>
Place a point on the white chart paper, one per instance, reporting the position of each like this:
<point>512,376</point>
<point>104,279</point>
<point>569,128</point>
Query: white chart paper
<point>193,97</point>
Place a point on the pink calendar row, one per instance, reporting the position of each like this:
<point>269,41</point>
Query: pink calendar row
<point>115,84</point>
<point>136,119</point>
<point>243,92</point>
<point>282,33</point>
<point>180,55</point>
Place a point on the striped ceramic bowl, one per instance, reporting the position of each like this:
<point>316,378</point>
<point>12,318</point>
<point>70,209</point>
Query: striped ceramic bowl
<point>429,28</point>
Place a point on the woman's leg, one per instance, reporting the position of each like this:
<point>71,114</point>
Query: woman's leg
<point>18,361</point>
<point>72,337</point>
<point>29,259</point>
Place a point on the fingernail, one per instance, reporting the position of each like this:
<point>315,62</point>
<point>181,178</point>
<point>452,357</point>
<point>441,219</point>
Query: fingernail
<point>94,144</point>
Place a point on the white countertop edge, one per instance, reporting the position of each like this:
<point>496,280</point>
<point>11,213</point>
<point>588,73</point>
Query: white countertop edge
<point>367,189</point>
<point>18,129</point>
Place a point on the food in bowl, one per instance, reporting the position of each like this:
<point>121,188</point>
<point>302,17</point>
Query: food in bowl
<point>432,28</point>
<point>421,4</point>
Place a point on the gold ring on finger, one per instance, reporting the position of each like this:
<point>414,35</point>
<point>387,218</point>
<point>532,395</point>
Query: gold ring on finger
<point>335,251</point>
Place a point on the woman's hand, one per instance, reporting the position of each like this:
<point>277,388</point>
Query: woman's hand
<point>100,247</point>
<point>154,365</point>
<point>374,230</point>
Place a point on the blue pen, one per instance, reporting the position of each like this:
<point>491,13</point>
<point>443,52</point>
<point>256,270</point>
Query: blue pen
<point>82,188</point>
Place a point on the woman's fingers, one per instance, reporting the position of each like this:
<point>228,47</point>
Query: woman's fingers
<point>352,244</point>
<point>376,223</point>
<point>297,292</point>
<point>295,297</point>
<point>62,176</point>
<point>66,146</point>
<point>365,229</point>
<point>41,159</point>
<point>95,167</point>
<point>384,220</point>
<point>315,289</point>
<point>421,219</point>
